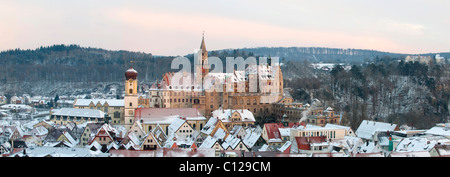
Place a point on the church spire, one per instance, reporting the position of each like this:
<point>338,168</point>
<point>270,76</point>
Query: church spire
<point>203,46</point>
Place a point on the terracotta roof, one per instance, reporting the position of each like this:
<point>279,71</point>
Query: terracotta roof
<point>304,143</point>
<point>272,131</point>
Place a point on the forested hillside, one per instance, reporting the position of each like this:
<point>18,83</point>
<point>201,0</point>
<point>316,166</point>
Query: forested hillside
<point>46,69</point>
<point>408,93</point>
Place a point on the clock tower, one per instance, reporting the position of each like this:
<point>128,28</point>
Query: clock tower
<point>131,98</point>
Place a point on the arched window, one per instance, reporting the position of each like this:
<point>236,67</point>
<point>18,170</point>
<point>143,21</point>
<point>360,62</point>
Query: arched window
<point>131,90</point>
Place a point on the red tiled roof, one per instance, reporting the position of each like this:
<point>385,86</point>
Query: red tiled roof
<point>317,139</point>
<point>272,131</point>
<point>304,143</point>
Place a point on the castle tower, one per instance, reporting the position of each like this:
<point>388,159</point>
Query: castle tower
<point>131,98</point>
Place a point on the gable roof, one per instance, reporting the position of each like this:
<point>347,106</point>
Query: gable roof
<point>273,133</point>
<point>208,142</point>
<point>71,140</point>
<point>209,126</point>
<point>150,135</point>
<point>368,128</point>
<point>440,131</point>
<point>225,114</point>
<point>176,124</point>
<point>252,136</point>
<point>159,134</point>
<point>231,142</point>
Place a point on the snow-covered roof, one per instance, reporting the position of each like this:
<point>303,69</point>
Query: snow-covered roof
<point>209,126</point>
<point>220,133</point>
<point>70,139</point>
<point>285,146</point>
<point>175,125</point>
<point>75,112</point>
<point>284,131</point>
<point>252,135</point>
<point>225,115</point>
<point>418,144</point>
<point>231,142</point>
<point>368,128</point>
<point>370,147</point>
<point>111,102</point>
<point>208,142</point>
<point>441,131</point>
<point>15,106</point>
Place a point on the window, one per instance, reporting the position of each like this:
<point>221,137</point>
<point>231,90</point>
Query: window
<point>131,104</point>
<point>117,114</point>
<point>131,91</point>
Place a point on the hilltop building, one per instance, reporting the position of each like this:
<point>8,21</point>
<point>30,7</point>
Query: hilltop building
<point>210,91</point>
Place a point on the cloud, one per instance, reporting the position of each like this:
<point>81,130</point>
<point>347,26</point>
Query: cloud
<point>405,28</point>
<point>226,32</point>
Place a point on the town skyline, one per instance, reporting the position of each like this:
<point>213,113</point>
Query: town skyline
<point>166,28</point>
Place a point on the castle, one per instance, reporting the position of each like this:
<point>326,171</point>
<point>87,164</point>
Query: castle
<point>235,88</point>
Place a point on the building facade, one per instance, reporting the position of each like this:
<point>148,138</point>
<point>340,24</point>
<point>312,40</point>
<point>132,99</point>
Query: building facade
<point>113,108</point>
<point>65,115</point>
<point>131,97</point>
<point>253,89</point>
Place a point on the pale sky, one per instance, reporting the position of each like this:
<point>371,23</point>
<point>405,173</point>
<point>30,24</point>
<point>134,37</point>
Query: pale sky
<point>174,27</point>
